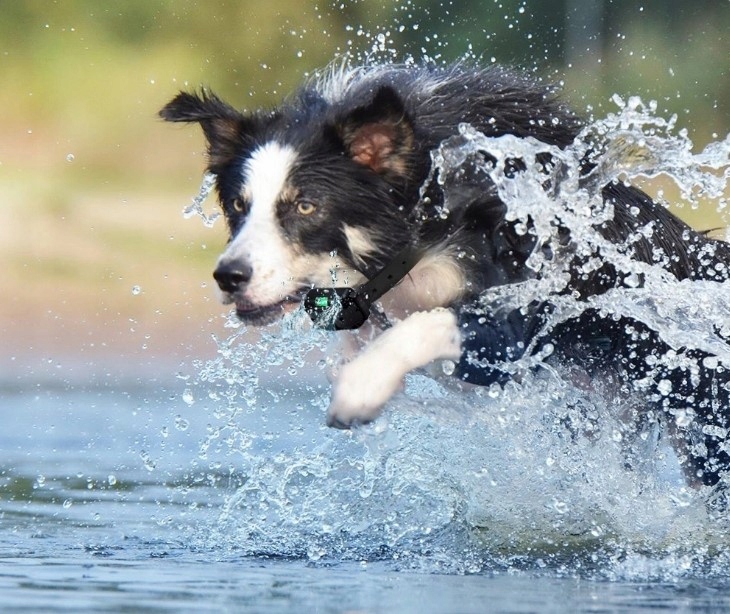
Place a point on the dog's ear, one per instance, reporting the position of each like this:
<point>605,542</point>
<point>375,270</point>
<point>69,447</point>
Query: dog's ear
<point>380,134</point>
<point>222,125</point>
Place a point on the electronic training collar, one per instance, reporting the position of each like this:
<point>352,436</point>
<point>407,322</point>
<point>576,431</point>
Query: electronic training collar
<point>349,308</point>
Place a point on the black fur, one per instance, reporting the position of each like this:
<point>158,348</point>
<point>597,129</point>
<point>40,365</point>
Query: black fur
<point>364,155</point>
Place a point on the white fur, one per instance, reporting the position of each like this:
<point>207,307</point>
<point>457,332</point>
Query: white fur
<point>366,383</point>
<point>359,243</point>
<point>260,242</point>
<point>426,332</point>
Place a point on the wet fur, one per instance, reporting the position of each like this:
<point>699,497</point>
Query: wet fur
<point>362,139</point>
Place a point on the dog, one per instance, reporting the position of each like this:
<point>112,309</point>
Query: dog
<point>325,189</point>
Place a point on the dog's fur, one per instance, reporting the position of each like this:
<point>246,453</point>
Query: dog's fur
<point>326,184</point>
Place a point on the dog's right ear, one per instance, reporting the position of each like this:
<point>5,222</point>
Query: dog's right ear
<point>223,126</point>
<point>379,135</point>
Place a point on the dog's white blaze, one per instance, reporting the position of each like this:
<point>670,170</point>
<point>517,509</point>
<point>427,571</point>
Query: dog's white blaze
<point>261,243</point>
<point>265,176</point>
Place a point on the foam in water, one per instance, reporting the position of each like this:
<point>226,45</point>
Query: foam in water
<point>532,474</point>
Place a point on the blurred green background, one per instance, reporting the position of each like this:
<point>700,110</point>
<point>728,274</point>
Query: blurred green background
<point>102,274</point>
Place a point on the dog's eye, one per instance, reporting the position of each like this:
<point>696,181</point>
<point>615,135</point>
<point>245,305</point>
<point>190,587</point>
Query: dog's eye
<point>305,208</point>
<point>239,205</point>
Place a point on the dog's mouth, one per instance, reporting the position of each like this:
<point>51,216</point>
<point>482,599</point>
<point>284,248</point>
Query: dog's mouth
<point>258,315</point>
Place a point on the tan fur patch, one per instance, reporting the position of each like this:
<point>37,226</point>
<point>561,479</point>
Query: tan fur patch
<point>436,281</point>
<point>359,243</point>
<point>289,194</point>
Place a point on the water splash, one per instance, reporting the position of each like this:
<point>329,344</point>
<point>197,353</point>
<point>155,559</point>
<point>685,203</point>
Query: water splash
<point>639,143</point>
<point>624,146</point>
<point>533,474</point>
<point>196,207</point>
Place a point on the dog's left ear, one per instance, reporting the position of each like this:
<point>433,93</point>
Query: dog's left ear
<point>379,135</point>
<point>223,126</point>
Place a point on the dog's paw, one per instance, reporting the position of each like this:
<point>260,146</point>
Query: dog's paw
<point>364,385</point>
<point>359,394</point>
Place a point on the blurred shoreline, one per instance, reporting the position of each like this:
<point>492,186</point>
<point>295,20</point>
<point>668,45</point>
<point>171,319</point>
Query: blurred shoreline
<point>101,273</point>
<point>109,287</point>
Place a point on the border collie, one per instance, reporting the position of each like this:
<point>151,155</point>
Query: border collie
<point>327,184</point>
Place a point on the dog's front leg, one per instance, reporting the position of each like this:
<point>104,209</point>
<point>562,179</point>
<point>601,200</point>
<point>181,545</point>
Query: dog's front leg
<point>366,383</point>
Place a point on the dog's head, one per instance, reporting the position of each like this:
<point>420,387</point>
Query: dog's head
<point>309,192</point>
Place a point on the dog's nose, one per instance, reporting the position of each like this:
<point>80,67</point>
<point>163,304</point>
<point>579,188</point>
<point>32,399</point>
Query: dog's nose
<point>232,275</point>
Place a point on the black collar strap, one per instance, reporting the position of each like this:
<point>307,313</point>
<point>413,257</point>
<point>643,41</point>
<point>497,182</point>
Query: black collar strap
<point>349,308</point>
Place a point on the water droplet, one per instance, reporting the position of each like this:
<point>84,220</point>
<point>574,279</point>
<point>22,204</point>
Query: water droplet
<point>632,280</point>
<point>683,498</point>
<point>149,464</point>
<point>111,479</point>
<point>188,397</point>
<point>136,290</point>
<point>70,158</point>
<point>67,503</point>
<point>561,507</point>
<point>683,418</point>
<point>181,424</point>
<point>664,387</point>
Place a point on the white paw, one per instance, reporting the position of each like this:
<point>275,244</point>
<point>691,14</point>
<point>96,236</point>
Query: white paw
<point>360,392</point>
<point>364,385</point>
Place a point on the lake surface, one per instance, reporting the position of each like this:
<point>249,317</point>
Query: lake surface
<point>127,497</point>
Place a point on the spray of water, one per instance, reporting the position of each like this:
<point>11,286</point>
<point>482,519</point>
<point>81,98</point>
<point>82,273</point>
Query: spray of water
<point>196,206</point>
<point>532,474</point>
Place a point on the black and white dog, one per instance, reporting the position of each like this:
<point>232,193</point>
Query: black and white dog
<point>327,184</point>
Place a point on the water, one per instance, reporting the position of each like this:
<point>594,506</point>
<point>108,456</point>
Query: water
<point>107,505</point>
<point>223,490</point>
<point>115,499</point>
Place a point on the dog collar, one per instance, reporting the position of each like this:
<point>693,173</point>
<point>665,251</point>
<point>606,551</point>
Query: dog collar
<point>349,308</point>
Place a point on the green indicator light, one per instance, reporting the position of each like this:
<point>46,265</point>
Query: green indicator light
<point>322,301</point>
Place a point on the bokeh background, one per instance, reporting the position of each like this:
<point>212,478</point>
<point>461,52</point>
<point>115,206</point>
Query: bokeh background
<point>101,276</point>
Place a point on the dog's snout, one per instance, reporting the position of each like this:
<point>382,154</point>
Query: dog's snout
<point>231,276</point>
